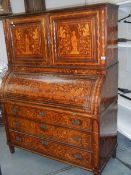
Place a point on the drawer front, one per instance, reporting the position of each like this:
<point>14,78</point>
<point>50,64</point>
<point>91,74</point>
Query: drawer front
<point>47,115</point>
<point>73,137</point>
<point>52,149</point>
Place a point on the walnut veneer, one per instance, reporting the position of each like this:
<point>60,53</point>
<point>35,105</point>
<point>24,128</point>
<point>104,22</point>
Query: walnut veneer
<point>59,95</point>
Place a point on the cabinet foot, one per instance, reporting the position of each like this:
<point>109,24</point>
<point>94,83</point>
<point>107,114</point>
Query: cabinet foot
<point>96,172</point>
<point>114,154</point>
<point>12,149</point>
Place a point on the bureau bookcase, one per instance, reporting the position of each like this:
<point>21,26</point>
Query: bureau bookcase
<point>59,94</point>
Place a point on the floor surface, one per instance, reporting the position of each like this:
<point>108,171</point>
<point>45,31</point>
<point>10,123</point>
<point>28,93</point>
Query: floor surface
<point>26,163</point>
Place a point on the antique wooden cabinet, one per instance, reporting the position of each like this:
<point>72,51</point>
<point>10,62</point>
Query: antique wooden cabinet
<point>60,91</point>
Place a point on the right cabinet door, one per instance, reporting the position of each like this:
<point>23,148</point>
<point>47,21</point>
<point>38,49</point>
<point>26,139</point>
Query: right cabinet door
<point>77,38</point>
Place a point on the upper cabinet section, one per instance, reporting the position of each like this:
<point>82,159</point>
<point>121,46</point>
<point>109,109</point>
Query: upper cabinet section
<point>27,40</point>
<point>76,38</point>
<point>61,40</point>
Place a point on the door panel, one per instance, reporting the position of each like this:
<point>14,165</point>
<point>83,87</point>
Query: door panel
<point>28,38</point>
<point>76,38</point>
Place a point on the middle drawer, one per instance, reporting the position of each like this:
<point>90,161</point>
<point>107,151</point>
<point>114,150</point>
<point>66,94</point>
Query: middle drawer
<point>42,130</point>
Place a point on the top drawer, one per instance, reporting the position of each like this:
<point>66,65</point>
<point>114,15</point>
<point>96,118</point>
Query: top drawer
<point>49,115</point>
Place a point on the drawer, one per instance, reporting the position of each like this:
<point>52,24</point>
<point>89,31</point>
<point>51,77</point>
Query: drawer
<point>52,149</point>
<point>49,115</point>
<point>65,135</point>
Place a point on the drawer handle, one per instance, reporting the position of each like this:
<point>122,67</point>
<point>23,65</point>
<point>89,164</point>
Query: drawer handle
<point>41,135</point>
<point>18,139</point>
<point>41,114</point>
<point>17,124</point>
<point>76,122</point>
<point>77,138</point>
<point>78,156</point>
<point>45,143</point>
<point>14,110</point>
<point>43,127</point>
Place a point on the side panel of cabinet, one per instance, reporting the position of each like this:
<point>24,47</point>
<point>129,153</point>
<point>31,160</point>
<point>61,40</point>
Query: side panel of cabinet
<point>27,40</point>
<point>77,38</point>
<point>112,35</point>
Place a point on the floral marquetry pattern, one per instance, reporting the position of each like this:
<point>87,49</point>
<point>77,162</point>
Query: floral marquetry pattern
<point>50,148</point>
<point>43,130</point>
<point>75,37</point>
<point>50,116</point>
<point>74,40</point>
<point>60,93</point>
<point>27,40</point>
<point>55,89</point>
<point>28,43</point>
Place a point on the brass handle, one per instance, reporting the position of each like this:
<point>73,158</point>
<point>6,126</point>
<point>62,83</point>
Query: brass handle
<point>17,124</point>
<point>42,114</point>
<point>18,139</point>
<point>74,113</point>
<point>43,127</point>
<point>77,138</point>
<point>78,156</point>
<point>76,122</point>
<point>45,143</point>
<point>14,110</point>
<point>41,135</point>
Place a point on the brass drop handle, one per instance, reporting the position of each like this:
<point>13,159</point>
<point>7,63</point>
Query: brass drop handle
<point>43,127</point>
<point>17,124</point>
<point>18,139</point>
<point>41,135</point>
<point>76,122</point>
<point>77,138</point>
<point>78,156</point>
<point>42,114</point>
<point>14,110</point>
<point>45,143</point>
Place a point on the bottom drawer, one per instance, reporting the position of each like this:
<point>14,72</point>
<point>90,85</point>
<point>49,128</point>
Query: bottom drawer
<point>52,149</point>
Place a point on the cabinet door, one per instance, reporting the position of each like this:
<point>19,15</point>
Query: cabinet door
<point>77,37</point>
<point>28,40</point>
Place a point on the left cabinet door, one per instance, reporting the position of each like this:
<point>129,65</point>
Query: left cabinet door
<point>27,41</point>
